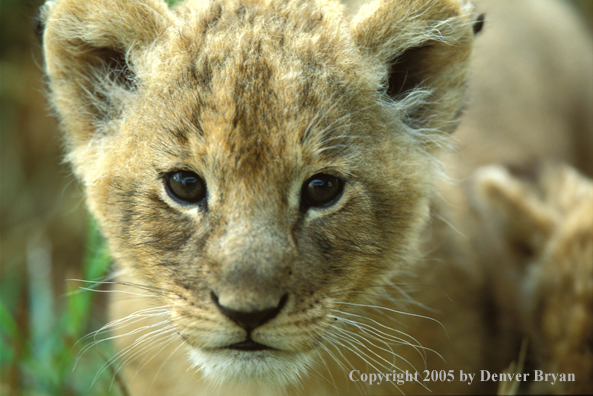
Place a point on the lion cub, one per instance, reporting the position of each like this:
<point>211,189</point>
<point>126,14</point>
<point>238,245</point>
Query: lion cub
<point>268,175</point>
<point>545,215</point>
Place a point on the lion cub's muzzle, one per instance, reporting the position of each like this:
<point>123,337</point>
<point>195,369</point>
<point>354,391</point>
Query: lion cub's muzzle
<point>252,267</point>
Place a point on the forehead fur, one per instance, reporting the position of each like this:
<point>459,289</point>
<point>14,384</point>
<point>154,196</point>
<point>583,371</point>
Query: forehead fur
<point>251,69</point>
<point>232,46</point>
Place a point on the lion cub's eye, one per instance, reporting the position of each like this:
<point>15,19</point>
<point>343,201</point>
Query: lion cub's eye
<point>185,187</point>
<point>322,190</point>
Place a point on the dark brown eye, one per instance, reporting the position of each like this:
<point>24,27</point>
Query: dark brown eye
<point>322,190</point>
<point>185,187</point>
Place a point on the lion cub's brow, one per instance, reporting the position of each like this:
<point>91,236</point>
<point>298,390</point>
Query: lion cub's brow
<point>251,130</point>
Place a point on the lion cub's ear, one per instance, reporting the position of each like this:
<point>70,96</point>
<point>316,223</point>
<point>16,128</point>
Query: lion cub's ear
<point>515,207</point>
<point>420,47</point>
<point>90,49</point>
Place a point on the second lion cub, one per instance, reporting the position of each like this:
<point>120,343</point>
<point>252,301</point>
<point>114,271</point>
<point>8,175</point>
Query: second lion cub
<point>545,216</point>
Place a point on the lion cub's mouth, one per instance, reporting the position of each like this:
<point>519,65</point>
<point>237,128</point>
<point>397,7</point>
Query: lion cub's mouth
<point>250,345</point>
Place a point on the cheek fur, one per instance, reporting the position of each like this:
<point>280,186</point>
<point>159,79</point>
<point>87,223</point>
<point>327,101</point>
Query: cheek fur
<point>148,229</point>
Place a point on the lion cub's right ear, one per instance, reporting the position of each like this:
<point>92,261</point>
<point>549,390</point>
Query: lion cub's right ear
<point>90,49</point>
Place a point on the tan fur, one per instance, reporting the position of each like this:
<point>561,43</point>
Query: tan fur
<point>256,97</point>
<point>547,219</point>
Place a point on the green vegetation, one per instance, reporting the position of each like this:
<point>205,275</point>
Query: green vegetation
<point>46,355</point>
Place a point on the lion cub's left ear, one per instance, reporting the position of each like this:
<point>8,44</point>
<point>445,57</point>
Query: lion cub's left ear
<point>420,46</point>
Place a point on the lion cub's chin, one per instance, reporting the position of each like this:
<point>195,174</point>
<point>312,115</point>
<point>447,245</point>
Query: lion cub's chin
<point>229,366</point>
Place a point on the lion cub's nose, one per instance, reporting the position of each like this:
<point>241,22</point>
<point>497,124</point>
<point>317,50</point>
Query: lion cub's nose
<point>250,320</point>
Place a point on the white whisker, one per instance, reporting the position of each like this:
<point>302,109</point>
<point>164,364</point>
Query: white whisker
<point>416,345</point>
<point>129,348</point>
<point>397,312</point>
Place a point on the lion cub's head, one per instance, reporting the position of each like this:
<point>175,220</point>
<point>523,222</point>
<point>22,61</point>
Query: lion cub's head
<point>546,216</point>
<point>257,164</point>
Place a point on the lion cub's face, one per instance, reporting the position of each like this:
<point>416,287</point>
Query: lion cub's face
<point>258,166</point>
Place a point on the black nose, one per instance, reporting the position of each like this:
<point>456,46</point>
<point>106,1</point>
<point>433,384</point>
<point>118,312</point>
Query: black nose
<point>253,319</point>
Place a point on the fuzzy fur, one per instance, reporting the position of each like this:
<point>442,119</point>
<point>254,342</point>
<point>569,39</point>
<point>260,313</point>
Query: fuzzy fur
<point>256,96</point>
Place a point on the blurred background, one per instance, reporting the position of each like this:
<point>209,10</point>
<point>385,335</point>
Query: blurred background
<point>46,236</point>
<point>43,233</point>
